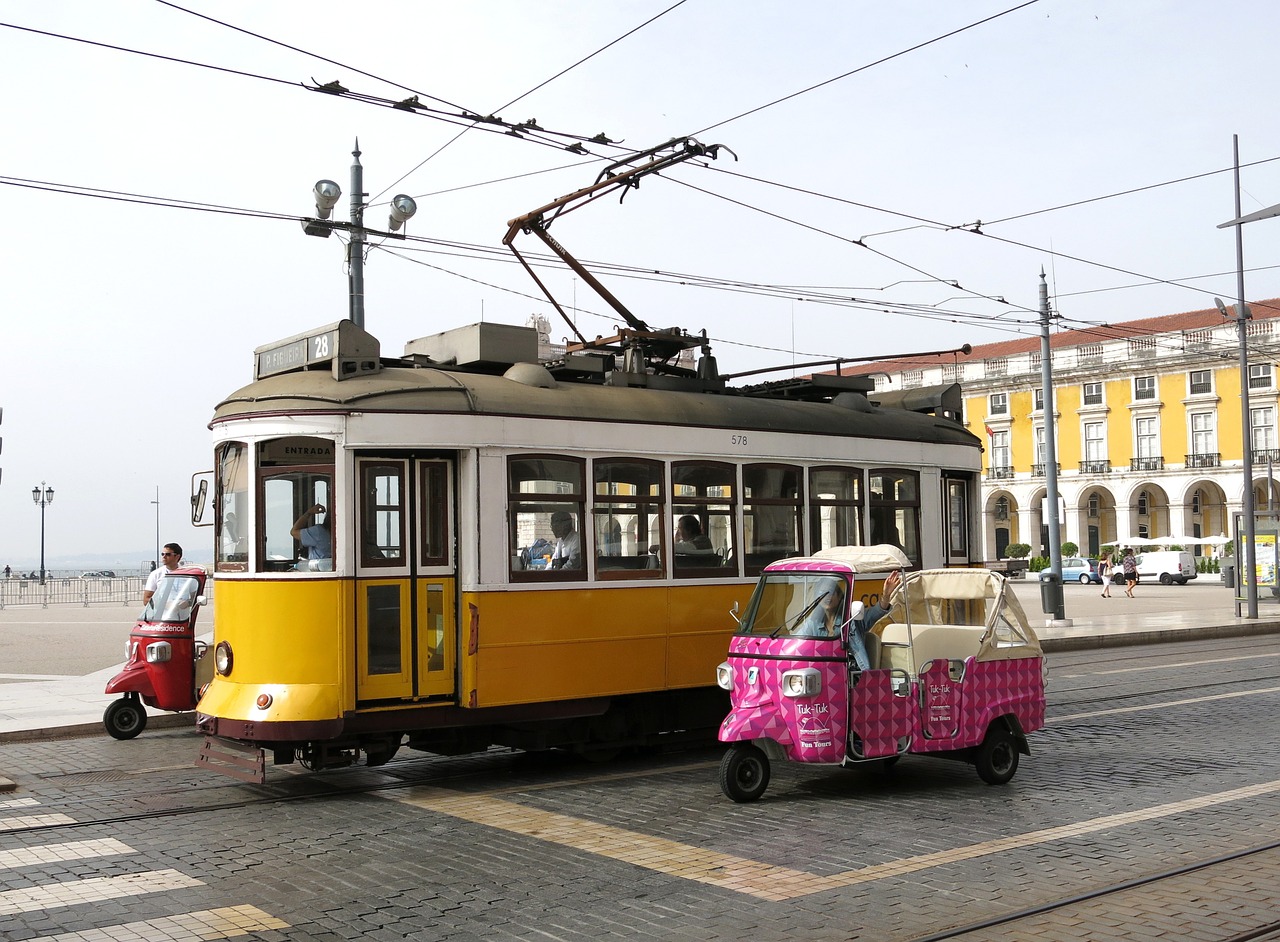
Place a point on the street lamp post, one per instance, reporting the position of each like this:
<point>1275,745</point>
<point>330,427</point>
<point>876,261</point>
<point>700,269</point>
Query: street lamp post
<point>157,503</point>
<point>327,193</point>
<point>1249,570</point>
<point>43,496</point>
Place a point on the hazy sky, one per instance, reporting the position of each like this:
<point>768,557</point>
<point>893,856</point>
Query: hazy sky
<point>125,324</point>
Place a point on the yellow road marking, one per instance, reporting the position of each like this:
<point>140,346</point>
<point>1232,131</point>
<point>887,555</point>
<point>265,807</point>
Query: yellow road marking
<point>753,877</point>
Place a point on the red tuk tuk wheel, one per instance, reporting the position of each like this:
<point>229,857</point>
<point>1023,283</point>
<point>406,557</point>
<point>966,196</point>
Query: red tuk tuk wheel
<point>744,772</point>
<point>997,758</point>
<point>125,718</point>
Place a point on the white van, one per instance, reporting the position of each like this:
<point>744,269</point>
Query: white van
<point>1169,567</point>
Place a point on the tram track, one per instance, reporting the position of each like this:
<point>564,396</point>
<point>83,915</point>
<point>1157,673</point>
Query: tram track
<point>1006,926</point>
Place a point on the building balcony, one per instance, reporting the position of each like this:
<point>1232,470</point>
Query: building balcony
<point>1039,470</point>
<point>1146,464</point>
<point>1095,467</point>
<point>1210,459</point>
<point>1263,455</point>
<point>999,474</point>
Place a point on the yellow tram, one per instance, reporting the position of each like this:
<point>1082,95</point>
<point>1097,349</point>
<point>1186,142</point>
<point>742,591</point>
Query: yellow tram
<point>440,620</point>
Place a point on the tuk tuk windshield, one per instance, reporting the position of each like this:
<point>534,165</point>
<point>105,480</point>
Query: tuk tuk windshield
<point>799,604</point>
<point>174,599</point>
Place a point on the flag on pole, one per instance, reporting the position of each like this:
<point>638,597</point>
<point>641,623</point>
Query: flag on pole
<point>989,432</point>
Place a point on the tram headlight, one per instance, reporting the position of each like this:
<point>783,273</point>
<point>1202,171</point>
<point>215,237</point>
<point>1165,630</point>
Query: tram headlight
<point>222,658</point>
<point>724,676</point>
<point>802,683</point>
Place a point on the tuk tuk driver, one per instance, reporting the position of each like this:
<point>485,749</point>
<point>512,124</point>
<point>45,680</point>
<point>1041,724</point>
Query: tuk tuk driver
<point>826,618</point>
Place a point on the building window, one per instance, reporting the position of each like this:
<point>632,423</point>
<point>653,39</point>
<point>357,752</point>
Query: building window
<point>1203,440</point>
<point>1259,375</point>
<point>1038,398</point>
<point>1144,504</point>
<point>1148,446</point>
<point>1093,394</point>
<point>999,404</point>
<point>1002,508</point>
<point>1144,387</point>
<point>1040,445</point>
<point>1201,382</point>
<point>1095,442</point>
<point>1195,502</point>
<point>1262,423</point>
<point>1000,450</point>
<point>1095,507</point>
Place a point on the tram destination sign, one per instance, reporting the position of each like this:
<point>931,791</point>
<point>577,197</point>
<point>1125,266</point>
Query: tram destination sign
<point>342,346</point>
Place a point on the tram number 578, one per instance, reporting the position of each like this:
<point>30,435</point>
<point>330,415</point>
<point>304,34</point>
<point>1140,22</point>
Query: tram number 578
<point>739,440</point>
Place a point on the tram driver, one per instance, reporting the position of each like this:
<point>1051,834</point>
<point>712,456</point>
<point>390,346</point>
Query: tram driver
<point>316,540</point>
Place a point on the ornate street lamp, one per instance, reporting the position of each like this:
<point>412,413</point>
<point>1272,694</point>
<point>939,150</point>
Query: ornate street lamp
<point>43,496</point>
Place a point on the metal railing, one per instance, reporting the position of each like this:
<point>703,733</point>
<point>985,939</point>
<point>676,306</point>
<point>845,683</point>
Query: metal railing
<point>1210,459</point>
<point>1040,470</point>
<point>1146,464</point>
<point>62,590</point>
<point>1095,467</point>
<point>999,474</point>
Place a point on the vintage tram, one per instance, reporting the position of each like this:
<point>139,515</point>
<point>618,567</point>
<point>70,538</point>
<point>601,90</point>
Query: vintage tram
<point>437,621</point>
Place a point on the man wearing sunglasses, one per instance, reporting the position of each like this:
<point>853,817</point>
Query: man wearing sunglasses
<point>170,558</point>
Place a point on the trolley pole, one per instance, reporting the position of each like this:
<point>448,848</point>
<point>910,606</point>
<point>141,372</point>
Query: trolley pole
<point>1051,588</point>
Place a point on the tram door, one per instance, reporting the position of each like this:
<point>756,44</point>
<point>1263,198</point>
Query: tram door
<point>406,623</point>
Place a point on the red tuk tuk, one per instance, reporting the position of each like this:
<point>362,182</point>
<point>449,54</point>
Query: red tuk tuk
<point>161,657</point>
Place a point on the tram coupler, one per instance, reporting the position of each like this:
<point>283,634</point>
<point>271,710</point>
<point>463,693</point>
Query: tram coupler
<point>238,760</point>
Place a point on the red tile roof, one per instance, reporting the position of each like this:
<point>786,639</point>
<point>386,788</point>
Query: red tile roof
<point>1166,323</point>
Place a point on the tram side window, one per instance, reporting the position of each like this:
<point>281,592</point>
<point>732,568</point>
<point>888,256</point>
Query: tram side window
<point>835,507</point>
<point>231,499</point>
<point>771,503</point>
<point>296,476</point>
<point>703,502</point>
<point>545,504</point>
<point>627,517</point>
<point>894,503</point>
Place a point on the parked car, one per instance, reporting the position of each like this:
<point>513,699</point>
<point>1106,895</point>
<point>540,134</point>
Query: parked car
<point>1168,566</point>
<point>98,574</point>
<point>1081,570</point>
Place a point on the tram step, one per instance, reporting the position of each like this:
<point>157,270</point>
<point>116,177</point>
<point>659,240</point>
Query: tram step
<point>240,761</point>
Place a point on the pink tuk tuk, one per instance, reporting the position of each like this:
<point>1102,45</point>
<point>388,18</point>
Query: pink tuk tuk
<point>952,669</point>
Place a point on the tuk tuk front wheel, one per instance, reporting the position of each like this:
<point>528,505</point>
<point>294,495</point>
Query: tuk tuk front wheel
<point>997,758</point>
<point>125,718</point>
<point>744,772</point>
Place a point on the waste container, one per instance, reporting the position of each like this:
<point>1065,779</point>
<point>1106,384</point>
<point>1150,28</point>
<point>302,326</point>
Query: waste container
<point>1051,593</point>
<point>1229,573</point>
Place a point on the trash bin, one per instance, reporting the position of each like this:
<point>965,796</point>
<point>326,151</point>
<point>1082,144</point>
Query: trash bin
<point>1051,593</point>
<point>1229,573</point>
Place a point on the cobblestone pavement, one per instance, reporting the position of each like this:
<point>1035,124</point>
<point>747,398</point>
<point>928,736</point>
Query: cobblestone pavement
<point>1154,757</point>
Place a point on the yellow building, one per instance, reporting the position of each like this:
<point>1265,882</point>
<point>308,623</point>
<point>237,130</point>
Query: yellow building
<point>1147,424</point>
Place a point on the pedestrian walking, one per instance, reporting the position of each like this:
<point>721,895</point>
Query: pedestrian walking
<point>1130,566</point>
<point>1104,570</point>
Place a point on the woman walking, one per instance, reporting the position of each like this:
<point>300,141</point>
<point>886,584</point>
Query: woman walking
<point>1104,570</point>
<point>1130,571</point>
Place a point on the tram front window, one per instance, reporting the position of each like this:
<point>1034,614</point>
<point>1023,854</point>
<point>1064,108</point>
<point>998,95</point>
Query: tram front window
<point>299,530</point>
<point>231,500</point>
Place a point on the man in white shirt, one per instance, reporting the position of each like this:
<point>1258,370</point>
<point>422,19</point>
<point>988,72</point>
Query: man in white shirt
<point>568,551</point>
<point>170,559</point>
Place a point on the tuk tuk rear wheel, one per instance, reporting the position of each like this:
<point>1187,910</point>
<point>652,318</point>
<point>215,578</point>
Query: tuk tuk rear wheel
<point>125,718</point>
<point>744,772</point>
<point>997,758</point>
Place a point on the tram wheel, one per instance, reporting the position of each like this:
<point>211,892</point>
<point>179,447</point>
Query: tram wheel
<point>997,758</point>
<point>125,718</point>
<point>744,772</point>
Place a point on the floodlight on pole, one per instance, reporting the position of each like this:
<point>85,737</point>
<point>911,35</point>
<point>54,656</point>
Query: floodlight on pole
<point>327,194</point>
<point>402,209</point>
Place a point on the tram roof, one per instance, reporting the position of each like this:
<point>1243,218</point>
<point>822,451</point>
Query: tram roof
<point>528,390</point>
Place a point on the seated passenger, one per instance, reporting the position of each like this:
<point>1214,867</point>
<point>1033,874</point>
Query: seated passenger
<point>690,540</point>
<point>568,550</point>
<point>825,619</point>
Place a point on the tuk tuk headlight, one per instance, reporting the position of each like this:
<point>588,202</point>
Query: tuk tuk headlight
<point>158,652</point>
<point>802,683</point>
<point>222,658</point>
<point>724,676</point>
